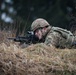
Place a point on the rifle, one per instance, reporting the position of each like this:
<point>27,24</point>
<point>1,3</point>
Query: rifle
<point>74,43</point>
<point>28,39</point>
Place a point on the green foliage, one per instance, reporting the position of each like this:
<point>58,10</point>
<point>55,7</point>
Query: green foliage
<point>56,12</point>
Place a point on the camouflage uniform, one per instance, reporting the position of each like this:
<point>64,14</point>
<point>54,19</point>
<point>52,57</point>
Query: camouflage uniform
<point>55,36</point>
<point>59,38</point>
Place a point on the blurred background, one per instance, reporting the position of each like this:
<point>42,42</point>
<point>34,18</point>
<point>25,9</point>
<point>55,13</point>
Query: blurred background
<point>20,14</point>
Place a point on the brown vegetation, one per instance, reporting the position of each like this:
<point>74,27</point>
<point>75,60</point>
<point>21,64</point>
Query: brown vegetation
<point>37,59</point>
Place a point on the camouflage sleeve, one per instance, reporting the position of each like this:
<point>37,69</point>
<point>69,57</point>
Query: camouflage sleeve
<point>52,39</point>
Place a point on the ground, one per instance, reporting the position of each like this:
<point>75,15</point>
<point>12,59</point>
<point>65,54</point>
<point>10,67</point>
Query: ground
<point>37,59</point>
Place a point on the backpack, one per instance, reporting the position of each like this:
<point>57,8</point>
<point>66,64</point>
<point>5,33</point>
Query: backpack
<point>65,34</point>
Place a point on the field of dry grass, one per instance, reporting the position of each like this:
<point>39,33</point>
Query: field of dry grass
<point>37,59</point>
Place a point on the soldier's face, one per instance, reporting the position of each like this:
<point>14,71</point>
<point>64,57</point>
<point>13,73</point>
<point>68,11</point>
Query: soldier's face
<point>38,33</point>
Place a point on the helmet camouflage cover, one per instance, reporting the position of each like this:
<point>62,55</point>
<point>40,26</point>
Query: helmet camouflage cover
<point>39,23</point>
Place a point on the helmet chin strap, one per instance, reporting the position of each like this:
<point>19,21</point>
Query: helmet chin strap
<point>47,30</point>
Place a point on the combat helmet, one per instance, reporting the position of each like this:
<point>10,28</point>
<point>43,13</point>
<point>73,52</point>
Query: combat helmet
<point>39,23</point>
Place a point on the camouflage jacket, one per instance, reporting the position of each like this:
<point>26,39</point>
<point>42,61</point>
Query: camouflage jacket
<point>59,38</point>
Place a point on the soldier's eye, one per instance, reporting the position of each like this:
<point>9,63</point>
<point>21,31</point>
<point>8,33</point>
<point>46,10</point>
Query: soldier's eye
<point>37,30</point>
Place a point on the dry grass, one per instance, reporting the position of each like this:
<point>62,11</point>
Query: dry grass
<point>37,59</point>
